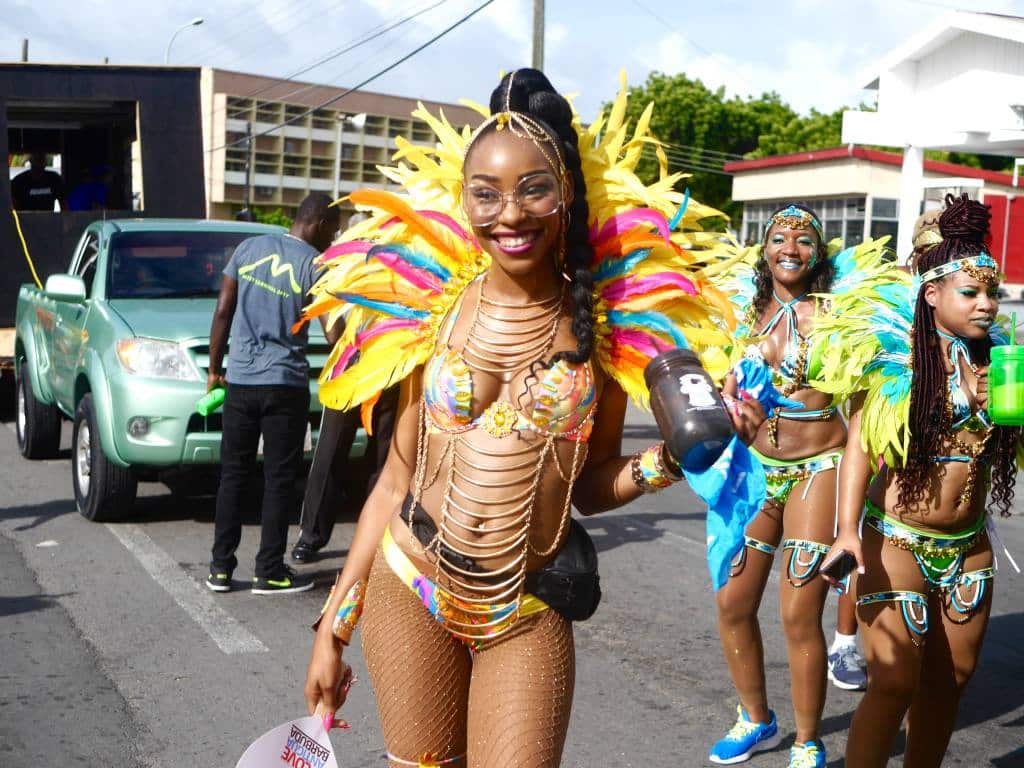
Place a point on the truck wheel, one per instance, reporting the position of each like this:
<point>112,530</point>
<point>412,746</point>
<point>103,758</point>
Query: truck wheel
<point>36,424</point>
<point>103,490</point>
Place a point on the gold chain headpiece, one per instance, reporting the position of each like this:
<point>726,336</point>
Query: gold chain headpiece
<point>794,217</point>
<point>982,268</point>
<point>525,127</point>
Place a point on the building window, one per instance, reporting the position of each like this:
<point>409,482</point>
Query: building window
<point>881,228</point>
<point>885,208</point>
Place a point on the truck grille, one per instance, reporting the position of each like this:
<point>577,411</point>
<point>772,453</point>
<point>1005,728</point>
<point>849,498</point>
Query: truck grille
<point>317,353</point>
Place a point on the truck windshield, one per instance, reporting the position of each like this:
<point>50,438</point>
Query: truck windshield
<point>146,265</point>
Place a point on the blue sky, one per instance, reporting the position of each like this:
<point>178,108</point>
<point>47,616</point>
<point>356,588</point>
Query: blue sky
<point>815,53</point>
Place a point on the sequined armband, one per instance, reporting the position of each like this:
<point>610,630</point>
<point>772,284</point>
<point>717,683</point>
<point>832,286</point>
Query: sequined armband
<point>652,470</point>
<point>348,614</point>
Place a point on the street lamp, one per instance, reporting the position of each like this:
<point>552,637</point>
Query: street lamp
<point>357,121</point>
<point>194,23</point>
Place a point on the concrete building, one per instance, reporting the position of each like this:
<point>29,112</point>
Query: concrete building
<point>856,191</point>
<point>335,149</point>
<point>958,85</point>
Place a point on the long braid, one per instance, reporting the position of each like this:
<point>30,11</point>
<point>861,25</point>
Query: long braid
<point>964,225</point>
<point>533,94</point>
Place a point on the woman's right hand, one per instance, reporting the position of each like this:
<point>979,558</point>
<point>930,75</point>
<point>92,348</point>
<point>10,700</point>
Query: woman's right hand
<point>328,680</point>
<point>845,542</point>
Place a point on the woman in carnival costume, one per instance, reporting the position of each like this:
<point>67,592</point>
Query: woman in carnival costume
<point>914,357</point>
<point>800,447</point>
<point>516,343</point>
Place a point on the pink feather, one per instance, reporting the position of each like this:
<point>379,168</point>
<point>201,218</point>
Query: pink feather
<point>343,249</point>
<point>446,221</point>
<point>420,279</point>
<point>343,359</point>
<point>628,287</point>
<point>624,222</point>
<point>643,342</point>
<point>384,327</point>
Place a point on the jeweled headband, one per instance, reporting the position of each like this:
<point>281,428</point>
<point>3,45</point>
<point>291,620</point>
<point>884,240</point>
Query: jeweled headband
<point>525,127</point>
<point>793,217</point>
<point>982,268</point>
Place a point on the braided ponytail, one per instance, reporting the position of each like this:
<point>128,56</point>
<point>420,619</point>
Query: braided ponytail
<point>532,94</point>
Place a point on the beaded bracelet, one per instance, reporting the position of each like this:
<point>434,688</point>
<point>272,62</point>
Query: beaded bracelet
<point>349,612</point>
<point>653,470</point>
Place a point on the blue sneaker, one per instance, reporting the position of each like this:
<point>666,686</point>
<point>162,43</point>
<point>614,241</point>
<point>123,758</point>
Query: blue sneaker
<point>744,739</point>
<point>810,754</point>
<point>847,669</point>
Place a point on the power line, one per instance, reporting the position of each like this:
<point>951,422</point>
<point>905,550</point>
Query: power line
<point>244,28</point>
<point>367,81</point>
<point>671,26</point>
<point>373,34</point>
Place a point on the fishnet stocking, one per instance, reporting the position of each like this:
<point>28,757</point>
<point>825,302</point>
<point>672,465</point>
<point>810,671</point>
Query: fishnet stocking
<point>520,696</point>
<point>514,695</point>
<point>420,673</point>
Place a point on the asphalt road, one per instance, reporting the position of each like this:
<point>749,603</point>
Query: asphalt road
<point>113,653</point>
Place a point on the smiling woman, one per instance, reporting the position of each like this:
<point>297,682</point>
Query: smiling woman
<point>518,318</point>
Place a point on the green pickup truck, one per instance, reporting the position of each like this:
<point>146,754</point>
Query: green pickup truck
<point>119,345</point>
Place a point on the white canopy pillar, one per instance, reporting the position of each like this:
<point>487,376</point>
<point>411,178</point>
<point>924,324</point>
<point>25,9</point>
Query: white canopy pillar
<point>911,185</point>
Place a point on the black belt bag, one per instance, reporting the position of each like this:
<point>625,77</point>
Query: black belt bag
<point>569,583</point>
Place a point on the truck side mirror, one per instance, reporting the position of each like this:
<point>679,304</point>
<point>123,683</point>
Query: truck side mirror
<point>65,288</point>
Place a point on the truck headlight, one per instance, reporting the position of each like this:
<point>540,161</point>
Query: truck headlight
<point>155,358</point>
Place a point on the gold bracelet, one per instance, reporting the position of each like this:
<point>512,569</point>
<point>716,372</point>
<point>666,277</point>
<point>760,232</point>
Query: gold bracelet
<point>649,471</point>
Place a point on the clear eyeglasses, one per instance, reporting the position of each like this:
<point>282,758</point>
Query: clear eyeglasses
<point>537,196</point>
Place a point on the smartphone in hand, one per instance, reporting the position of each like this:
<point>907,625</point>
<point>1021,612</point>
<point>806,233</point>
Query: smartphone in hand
<point>839,566</point>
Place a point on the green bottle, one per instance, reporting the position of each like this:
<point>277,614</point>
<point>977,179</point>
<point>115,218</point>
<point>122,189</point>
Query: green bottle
<point>1006,385</point>
<point>210,402</point>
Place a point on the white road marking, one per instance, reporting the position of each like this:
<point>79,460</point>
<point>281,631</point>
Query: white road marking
<point>695,546</point>
<point>229,635</point>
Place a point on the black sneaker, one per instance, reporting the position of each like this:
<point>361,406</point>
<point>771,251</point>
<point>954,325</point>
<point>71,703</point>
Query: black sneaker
<point>218,582</point>
<point>287,581</point>
<point>304,553</point>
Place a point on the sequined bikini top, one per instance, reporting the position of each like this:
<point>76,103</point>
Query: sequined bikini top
<point>962,417</point>
<point>563,401</point>
<point>795,369</point>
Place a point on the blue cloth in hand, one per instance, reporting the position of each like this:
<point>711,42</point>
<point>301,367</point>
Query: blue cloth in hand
<point>735,487</point>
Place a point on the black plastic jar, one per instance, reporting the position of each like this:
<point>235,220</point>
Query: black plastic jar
<point>688,408</point>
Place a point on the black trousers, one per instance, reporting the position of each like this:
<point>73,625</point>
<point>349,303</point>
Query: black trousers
<point>326,494</point>
<point>280,414</point>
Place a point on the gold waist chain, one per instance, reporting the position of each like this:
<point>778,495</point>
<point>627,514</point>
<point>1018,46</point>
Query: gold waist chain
<point>481,594</point>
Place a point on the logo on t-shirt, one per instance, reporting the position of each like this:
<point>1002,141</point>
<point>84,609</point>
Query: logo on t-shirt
<point>276,270</point>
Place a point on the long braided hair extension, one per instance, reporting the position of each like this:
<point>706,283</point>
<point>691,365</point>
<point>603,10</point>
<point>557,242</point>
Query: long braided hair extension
<point>821,275</point>
<point>964,226</point>
<point>533,95</point>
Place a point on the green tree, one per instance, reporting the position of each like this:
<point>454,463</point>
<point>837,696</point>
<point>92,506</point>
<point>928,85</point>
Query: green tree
<point>276,216</point>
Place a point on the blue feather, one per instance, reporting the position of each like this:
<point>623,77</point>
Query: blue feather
<point>386,307</point>
<point>610,268</point>
<point>651,321</point>
<point>418,260</point>
<point>681,212</point>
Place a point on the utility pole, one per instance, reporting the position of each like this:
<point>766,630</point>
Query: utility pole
<point>538,34</point>
<point>247,211</point>
<point>24,50</point>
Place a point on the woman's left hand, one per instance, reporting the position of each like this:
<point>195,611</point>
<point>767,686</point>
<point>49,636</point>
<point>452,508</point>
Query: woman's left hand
<point>981,397</point>
<point>746,412</point>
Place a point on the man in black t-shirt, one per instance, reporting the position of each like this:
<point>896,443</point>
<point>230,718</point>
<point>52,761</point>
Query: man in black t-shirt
<point>37,188</point>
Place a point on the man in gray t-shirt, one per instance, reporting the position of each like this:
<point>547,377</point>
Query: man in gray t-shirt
<point>265,286</point>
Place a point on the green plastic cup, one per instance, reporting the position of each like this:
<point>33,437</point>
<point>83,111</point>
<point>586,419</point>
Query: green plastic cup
<point>210,402</point>
<point>1006,385</point>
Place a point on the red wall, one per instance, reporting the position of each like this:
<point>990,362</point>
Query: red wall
<point>1012,258</point>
